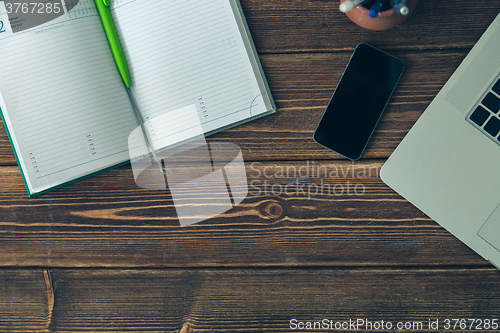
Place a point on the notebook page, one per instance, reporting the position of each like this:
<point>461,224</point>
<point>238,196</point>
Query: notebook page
<point>67,108</point>
<point>187,52</point>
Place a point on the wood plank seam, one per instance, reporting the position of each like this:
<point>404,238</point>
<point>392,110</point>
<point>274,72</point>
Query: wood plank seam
<point>50,296</point>
<point>185,328</point>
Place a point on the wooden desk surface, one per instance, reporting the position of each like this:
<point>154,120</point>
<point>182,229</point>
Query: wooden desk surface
<point>104,255</point>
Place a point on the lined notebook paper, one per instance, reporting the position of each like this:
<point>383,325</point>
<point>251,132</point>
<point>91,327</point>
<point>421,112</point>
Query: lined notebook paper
<point>67,110</point>
<point>188,52</point>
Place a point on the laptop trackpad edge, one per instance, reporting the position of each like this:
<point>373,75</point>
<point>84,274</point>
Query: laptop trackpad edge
<point>490,231</point>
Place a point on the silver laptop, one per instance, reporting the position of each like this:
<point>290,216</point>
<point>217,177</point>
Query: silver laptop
<point>448,165</point>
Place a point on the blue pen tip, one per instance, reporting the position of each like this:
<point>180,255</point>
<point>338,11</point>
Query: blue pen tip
<point>373,12</point>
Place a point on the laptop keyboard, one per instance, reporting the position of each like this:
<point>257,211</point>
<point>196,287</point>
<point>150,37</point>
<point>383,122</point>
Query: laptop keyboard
<point>486,115</point>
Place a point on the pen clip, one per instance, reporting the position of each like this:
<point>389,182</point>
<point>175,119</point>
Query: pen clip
<point>106,2</point>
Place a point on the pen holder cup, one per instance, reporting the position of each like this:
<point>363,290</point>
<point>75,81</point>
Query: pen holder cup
<point>386,19</point>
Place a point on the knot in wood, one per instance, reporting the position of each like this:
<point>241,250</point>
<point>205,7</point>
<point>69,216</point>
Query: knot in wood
<point>274,209</point>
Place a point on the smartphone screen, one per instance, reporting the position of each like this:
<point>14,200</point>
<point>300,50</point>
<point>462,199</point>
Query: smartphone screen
<point>358,101</point>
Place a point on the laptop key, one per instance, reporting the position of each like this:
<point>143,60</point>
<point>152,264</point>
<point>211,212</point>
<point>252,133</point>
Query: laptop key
<point>493,126</point>
<point>496,87</point>
<point>479,116</point>
<point>491,102</point>
<point>484,114</point>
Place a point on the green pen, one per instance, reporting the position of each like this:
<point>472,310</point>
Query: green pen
<point>114,42</point>
<point>121,63</point>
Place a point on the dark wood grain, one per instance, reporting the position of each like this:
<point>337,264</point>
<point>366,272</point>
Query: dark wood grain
<point>25,300</point>
<point>305,213</point>
<point>245,300</point>
<point>233,300</point>
<point>302,86</point>
<point>318,26</point>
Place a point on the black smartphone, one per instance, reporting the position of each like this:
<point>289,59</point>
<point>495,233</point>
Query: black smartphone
<point>358,101</point>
